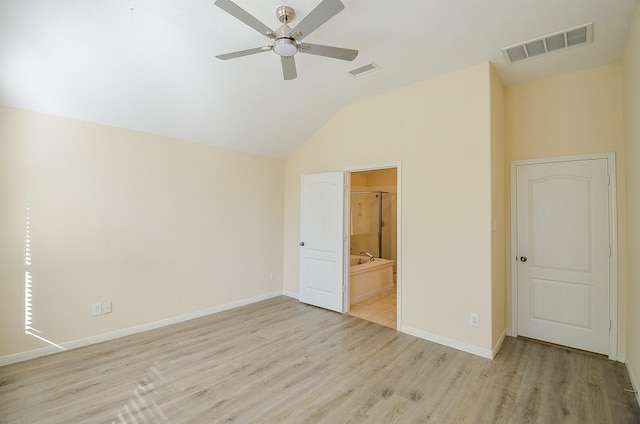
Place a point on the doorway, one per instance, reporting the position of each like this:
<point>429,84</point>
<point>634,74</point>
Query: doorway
<point>372,267</point>
<point>564,274</point>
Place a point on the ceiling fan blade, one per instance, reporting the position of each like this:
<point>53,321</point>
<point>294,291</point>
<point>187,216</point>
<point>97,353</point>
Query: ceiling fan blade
<point>328,51</point>
<point>289,67</point>
<point>326,10</point>
<point>243,53</point>
<point>241,14</point>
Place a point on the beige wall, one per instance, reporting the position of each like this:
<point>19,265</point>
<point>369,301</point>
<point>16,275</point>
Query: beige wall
<point>631,88</point>
<point>498,240</point>
<point>160,227</point>
<point>441,132</point>
<point>572,114</point>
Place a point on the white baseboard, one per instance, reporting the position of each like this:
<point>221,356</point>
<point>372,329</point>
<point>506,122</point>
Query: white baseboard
<point>634,382</point>
<point>24,356</point>
<point>498,345</point>
<point>290,294</point>
<point>475,350</point>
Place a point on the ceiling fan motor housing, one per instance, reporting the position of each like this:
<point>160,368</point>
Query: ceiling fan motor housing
<point>285,14</point>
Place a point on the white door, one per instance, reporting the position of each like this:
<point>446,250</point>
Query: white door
<point>321,244</point>
<point>563,253</point>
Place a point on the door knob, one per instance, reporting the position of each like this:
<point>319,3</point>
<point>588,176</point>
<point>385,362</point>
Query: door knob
<point>301,243</point>
<point>523,259</point>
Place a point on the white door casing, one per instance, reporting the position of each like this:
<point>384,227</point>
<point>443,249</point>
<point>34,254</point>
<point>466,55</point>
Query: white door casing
<point>321,242</point>
<point>563,252</point>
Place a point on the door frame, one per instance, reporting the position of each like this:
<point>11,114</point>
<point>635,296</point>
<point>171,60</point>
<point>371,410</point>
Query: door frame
<point>347,237</point>
<point>613,241</point>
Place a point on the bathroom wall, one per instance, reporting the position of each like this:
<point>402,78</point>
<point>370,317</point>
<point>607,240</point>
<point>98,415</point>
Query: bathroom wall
<point>383,180</point>
<point>358,181</point>
<point>572,114</point>
<point>161,227</point>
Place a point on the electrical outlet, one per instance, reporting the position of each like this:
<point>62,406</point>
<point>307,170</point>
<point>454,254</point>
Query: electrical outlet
<point>272,275</point>
<point>106,307</point>
<point>473,320</point>
<point>96,309</point>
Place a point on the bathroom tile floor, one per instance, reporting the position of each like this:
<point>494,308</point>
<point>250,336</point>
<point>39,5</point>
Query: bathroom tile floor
<point>380,309</point>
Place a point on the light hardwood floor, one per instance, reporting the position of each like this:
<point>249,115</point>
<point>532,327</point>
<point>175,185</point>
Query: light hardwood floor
<point>280,361</point>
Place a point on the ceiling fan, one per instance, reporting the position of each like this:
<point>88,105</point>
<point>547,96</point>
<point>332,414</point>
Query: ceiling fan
<point>286,41</point>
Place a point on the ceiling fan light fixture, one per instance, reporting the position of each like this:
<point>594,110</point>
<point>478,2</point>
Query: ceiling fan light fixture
<point>285,47</point>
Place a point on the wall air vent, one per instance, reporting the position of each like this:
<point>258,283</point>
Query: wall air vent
<point>364,69</point>
<point>549,43</point>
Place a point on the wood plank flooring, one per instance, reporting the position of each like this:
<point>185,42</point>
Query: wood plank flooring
<point>280,361</point>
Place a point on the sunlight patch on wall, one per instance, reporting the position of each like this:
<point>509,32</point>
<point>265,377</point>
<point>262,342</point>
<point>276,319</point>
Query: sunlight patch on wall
<point>28,285</point>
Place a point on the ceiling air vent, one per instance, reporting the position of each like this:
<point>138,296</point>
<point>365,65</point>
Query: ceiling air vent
<point>549,43</point>
<point>364,69</point>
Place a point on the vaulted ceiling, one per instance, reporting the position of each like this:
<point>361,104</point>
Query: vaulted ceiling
<point>149,65</point>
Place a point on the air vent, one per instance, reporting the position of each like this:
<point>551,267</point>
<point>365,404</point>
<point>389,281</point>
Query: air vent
<point>364,69</point>
<point>549,43</point>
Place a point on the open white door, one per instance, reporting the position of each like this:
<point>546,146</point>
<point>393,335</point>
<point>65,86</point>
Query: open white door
<point>321,244</point>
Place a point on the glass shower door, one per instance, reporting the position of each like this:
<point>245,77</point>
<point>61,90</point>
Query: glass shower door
<point>365,218</point>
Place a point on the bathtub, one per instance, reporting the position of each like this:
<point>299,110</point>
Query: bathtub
<point>368,278</point>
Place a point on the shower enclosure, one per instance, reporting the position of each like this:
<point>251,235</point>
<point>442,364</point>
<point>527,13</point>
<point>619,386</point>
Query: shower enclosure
<point>373,223</point>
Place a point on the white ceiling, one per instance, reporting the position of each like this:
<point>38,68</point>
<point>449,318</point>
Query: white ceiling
<point>150,65</point>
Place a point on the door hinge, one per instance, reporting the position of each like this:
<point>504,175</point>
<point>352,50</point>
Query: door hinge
<point>610,325</point>
<point>609,251</point>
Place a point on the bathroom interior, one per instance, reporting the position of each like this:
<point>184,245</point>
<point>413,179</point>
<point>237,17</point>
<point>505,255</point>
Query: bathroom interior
<point>373,269</point>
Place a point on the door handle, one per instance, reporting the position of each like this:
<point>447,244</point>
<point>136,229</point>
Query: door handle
<point>523,259</point>
<point>301,243</point>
